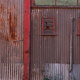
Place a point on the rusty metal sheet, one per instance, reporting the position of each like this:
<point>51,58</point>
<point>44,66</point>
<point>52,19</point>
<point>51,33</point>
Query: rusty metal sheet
<point>11,39</point>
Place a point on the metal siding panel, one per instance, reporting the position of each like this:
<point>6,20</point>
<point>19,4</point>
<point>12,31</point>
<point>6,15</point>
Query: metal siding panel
<point>53,49</point>
<point>11,39</point>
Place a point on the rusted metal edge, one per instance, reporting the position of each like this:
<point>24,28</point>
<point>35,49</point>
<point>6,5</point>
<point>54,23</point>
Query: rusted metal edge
<point>27,40</point>
<point>61,7</point>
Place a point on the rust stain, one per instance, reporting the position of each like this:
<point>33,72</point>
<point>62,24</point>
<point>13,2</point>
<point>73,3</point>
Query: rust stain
<point>0,24</point>
<point>3,37</point>
<point>0,16</point>
<point>12,27</point>
<point>6,38</point>
<point>11,22</point>
<point>1,7</point>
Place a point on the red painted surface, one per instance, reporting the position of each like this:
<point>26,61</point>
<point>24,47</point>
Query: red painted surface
<point>27,40</point>
<point>32,2</point>
<point>77,2</point>
<point>79,25</point>
<point>55,2</point>
<point>53,25</point>
<point>42,25</point>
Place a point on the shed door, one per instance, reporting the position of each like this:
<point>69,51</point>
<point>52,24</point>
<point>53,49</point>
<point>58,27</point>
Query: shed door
<point>55,56</point>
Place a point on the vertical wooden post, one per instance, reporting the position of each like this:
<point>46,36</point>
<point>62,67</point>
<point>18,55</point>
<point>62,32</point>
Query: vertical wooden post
<point>27,40</point>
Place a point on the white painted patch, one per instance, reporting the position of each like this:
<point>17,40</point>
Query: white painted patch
<point>55,71</point>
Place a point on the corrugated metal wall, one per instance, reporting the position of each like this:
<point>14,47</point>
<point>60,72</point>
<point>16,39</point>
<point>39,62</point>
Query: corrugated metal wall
<point>54,50</point>
<point>11,39</point>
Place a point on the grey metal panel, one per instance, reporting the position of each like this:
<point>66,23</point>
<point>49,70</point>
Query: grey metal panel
<point>53,49</point>
<point>11,39</point>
